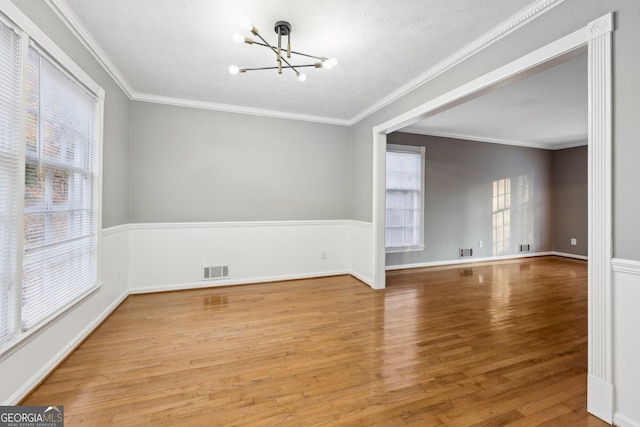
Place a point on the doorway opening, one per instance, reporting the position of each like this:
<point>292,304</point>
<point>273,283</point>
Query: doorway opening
<point>596,38</point>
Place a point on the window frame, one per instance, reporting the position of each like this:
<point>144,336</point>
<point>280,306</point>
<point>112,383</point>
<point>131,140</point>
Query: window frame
<point>31,35</point>
<point>14,253</point>
<point>397,148</point>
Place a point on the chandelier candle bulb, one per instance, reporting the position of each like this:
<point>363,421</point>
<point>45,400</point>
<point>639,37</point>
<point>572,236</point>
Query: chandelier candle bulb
<point>235,69</point>
<point>329,63</point>
<point>247,25</point>
<point>238,38</point>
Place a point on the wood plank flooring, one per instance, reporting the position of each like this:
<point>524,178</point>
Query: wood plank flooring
<point>487,344</point>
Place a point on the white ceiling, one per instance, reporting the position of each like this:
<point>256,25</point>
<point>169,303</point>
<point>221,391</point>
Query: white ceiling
<point>179,51</point>
<point>546,110</point>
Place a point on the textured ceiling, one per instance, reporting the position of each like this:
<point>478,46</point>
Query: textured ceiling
<point>182,48</point>
<point>545,110</point>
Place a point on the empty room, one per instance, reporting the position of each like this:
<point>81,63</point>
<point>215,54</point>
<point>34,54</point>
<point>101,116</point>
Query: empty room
<point>319,212</point>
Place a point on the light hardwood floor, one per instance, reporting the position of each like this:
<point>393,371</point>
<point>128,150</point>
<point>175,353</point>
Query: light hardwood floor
<point>487,344</point>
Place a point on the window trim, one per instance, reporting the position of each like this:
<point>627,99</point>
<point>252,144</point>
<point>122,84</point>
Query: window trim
<point>31,34</point>
<point>410,149</point>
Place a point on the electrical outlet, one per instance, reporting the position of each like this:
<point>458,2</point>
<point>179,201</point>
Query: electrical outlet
<point>574,241</point>
<point>480,243</point>
<point>323,254</point>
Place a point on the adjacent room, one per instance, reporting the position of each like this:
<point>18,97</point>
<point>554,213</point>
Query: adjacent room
<point>320,213</point>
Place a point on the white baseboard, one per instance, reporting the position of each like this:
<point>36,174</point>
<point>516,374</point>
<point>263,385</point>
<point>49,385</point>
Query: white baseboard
<point>623,421</point>
<point>600,398</point>
<point>45,370</point>
<point>365,280</point>
<point>568,255</point>
<point>466,261</point>
<point>223,283</point>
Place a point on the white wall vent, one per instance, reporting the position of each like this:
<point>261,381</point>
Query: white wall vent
<point>464,253</point>
<point>214,272</point>
<point>525,247</point>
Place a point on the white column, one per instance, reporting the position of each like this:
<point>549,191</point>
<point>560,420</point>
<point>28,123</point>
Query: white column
<point>600,378</point>
<point>379,209</point>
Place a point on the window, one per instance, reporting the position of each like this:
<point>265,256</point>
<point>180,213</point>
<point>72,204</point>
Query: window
<point>9,174</point>
<point>49,182</point>
<point>60,260</point>
<point>405,198</point>
<point>501,216</point>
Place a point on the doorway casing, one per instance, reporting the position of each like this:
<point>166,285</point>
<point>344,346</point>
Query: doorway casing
<point>596,39</point>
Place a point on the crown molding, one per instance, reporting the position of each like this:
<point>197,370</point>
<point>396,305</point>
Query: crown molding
<point>73,23</point>
<point>489,38</point>
<point>179,102</point>
<point>540,145</point>
<point>573,144</point>
<point>23,23</point>
<point>70,19</point>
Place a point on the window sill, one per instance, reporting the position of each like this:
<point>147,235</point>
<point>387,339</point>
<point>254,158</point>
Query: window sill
<point>20,339</point>
<point>405,249</point>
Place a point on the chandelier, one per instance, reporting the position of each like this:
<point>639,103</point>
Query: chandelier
<point>282,28</point>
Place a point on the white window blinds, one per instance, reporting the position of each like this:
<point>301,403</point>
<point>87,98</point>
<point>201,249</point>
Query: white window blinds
<point>60,253</point>
<point>10,179</point>
<point>404,197</point>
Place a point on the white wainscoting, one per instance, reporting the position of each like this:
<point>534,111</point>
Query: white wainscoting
<point>23,367</point>
<point>171,256</point>
<point>626,342</point>
<point>361,251</point>
<point>139,258</point>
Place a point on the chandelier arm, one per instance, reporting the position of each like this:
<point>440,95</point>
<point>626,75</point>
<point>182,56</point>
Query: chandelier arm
<point>320,58</point>
<point>275,68</point>
<point>276,52</point>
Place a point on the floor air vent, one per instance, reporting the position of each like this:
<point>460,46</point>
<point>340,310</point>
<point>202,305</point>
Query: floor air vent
<point>213,272</point>
<point>464,253</point>
<point>525,248</point>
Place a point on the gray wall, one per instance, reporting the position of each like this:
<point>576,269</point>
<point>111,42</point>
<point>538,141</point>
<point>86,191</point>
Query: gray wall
<point>562,20</point>
<point>194,165</point>
<point>459,178</point>
<point>570,195</point>
<point>115,189</point>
